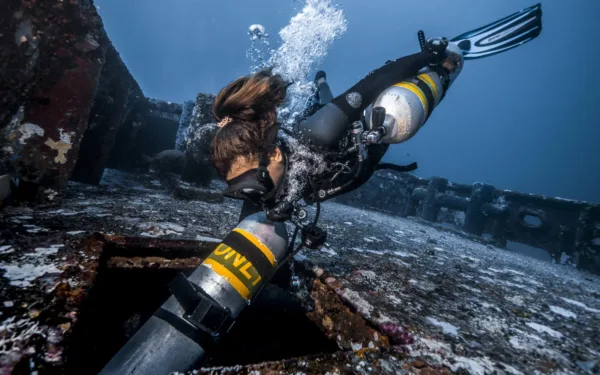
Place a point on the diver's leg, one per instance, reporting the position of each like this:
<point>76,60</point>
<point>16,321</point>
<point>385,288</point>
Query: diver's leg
<point>328,125</point>
<point>320,98</point>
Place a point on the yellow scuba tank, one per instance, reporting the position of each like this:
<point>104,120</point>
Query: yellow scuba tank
<point>408,104</point>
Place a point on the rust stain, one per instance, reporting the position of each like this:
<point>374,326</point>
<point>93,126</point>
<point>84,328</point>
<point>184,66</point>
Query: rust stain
<point>339,322</point>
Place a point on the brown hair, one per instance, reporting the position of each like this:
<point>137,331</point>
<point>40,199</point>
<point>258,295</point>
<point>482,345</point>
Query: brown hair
<point>251,103</point>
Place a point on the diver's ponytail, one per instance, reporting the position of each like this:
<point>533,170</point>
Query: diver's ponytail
<point>252,99</point>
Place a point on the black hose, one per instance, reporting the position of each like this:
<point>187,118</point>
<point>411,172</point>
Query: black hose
<point>291,246</point>
<point>359,169</point>
<point>398,168</point>
<point>318,213</point>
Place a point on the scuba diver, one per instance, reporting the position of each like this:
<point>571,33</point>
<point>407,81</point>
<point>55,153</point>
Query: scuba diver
<point>254,162</point>
<point>350,132</point>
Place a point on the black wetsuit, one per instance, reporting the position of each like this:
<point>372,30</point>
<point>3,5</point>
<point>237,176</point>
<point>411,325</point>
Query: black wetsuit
<point>329,125</point>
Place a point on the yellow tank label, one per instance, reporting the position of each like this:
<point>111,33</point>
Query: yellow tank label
<point>256,242</point>
<point>427,79</point>
<point>236,269</point>
<point>417,91</point>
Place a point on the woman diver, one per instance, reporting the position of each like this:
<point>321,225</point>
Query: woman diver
<point>255,162</point>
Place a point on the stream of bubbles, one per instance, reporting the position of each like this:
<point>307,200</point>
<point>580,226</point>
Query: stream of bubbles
<point>305,42</point>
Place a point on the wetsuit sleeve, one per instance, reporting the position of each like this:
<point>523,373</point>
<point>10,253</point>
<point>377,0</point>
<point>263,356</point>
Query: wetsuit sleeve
<point>329,125</point>
<point>380,79</point>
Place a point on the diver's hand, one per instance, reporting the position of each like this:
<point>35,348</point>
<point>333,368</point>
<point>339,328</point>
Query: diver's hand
<point>452,62</point>
<point>436,46</point>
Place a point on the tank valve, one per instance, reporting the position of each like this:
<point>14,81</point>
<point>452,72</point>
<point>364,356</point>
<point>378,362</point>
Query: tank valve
<point>357,127</point>
<point>378,117</point>
<point>379,130</point>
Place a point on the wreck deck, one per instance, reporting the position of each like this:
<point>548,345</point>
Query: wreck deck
<point>419,300</point>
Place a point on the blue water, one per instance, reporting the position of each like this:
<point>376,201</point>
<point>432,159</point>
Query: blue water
<point>523,120</point>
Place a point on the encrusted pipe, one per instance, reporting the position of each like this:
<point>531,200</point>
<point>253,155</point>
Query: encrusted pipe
<point>475,217</point>
<point>431,206</point>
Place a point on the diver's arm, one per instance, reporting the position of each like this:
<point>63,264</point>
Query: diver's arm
<point>329,125</point>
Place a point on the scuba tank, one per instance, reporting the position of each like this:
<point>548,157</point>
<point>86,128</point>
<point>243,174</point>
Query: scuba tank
<point>205,305</point>
<point>409,104</point>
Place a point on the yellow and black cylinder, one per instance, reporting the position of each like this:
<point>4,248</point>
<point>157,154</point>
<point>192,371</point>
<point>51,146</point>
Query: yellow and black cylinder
<point>244,261</point>
<point>410,103</point>
<point>231,276</point>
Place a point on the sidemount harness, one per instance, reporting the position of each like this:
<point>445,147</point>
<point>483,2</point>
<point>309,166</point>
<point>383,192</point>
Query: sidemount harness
<point>257,185</point>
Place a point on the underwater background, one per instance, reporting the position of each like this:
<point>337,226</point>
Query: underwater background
<point>431,272</point>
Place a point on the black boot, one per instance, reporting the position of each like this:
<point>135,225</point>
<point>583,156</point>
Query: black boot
<point>320,74</point>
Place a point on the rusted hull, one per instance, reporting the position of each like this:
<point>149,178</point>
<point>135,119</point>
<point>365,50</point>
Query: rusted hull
<point>48,86</point>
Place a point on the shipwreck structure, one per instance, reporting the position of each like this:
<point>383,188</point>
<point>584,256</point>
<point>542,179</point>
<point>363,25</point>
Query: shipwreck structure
<point>69,106</point>
<point>86,263</point>
<point>568,230</point>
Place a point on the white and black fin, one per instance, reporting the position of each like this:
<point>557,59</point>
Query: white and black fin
<point>502,35</point>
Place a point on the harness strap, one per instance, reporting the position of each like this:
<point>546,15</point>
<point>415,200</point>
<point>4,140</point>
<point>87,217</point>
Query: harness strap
<point>269,144</point>
<point>204,320</point>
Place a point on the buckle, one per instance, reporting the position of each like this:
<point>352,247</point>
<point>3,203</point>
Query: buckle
<point>200,310</point>
<point>262,174</point>
<point>313,237</point>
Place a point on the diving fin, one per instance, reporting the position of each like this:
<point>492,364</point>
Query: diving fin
<point>502,35</point>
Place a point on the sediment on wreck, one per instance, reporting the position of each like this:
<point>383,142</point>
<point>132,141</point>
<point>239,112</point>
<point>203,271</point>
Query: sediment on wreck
<point>117,97</point>
<point>51,58</point>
